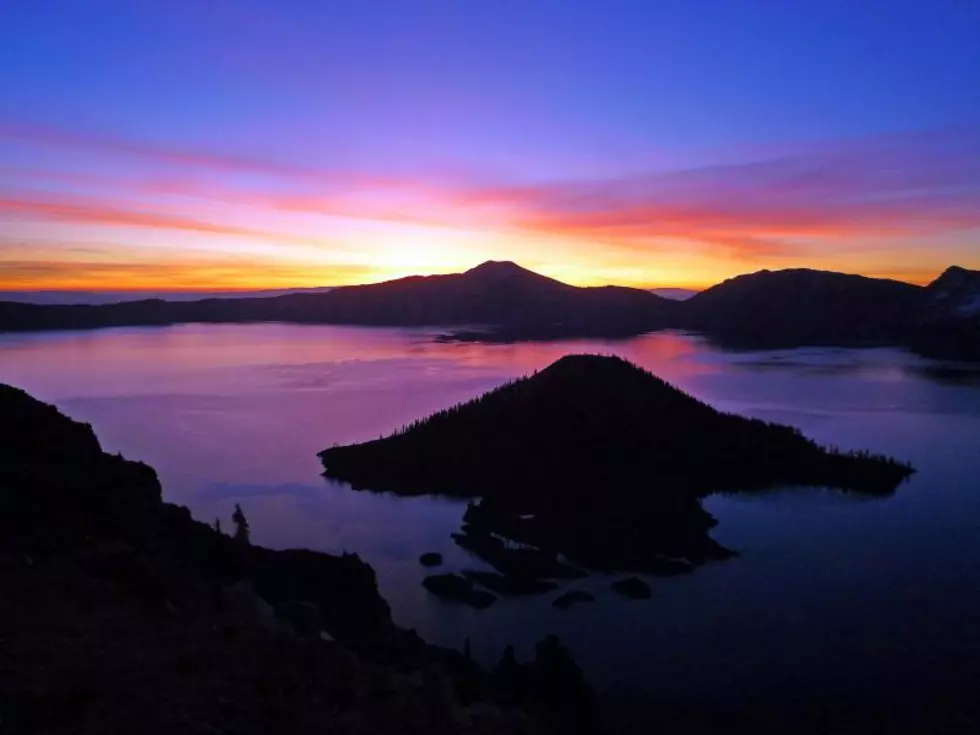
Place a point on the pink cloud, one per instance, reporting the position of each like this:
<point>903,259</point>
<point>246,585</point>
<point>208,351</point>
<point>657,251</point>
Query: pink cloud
<point>889,187</point>
<point>63,208</point>
<point>902,186</point>
<point>188,157</point>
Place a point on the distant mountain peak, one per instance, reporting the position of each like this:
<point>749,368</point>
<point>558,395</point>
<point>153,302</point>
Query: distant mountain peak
<point>956,277</point>
<point>956,273</point>
<point>956,295</point>
<point>957,270</point>
<point>674,294</point>
<point>499,268</point>
<point>508,273</point>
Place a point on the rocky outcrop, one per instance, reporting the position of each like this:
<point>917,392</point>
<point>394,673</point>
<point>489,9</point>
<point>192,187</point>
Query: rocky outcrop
<point>632,587</point>
<point>456,588</point>
<point>949,325</point>
<point>572,598</point>
<point>510,585</point>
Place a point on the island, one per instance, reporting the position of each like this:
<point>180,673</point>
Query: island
<point>596,464</point>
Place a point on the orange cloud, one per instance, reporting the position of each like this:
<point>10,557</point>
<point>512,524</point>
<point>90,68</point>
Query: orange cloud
<point>52,265</point>
<point>905,186</point>
<point>194,274</point>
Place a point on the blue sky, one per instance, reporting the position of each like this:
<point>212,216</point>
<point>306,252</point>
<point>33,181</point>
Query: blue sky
<point>408,112</point>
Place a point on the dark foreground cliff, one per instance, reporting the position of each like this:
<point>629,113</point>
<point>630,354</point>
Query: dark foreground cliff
<point>120,613</point>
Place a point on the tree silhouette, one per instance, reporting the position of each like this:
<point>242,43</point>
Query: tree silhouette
<point>241,525</point>
<point>217,525</point>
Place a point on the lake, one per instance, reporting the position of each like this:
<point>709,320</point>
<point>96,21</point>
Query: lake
<point>831,594</point>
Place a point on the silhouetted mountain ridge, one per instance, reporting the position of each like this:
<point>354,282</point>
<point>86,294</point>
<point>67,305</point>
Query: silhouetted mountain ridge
<point>501,301</point>
<point>495,294</point>
<point>805,307</point>
<point>949,322</point>
<point>956,293</point>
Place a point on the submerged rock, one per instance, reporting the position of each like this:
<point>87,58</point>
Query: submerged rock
<point>430,559</point>
<point>664,567</point>
<point>458,589</point>
<point>505,585</point>
<point>561,545</point>
<point>571,598</point>
<point>523,562</point>
<point>632,587</point>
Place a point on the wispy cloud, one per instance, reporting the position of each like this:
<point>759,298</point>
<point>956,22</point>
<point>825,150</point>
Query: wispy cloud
<point>50,265</point>
<point>83,210</point>
<point>825,198</point>
<point>181,156</point>
<point>907,185</point>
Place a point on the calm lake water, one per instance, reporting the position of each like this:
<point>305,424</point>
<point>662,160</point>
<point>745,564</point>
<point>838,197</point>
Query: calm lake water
<point>831,594</point>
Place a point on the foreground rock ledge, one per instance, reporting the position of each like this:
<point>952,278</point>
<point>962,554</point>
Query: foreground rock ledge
<point>120,613</point>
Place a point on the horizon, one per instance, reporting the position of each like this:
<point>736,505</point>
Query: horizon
<point>244,146</point>
<point>243,290</point>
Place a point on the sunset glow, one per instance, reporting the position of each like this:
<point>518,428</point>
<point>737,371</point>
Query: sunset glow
<point>280,186</point>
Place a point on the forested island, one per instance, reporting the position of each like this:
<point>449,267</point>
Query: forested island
<point>596,461</point>
<point>587,422</point>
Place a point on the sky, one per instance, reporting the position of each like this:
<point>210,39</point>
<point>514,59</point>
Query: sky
<point>229,144</point>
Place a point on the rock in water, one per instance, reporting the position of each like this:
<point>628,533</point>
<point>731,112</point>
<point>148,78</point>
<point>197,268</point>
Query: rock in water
<point>510,585</point>
<point>571,598</point>
<point>458,589</point>
<point>430,559</point>
<point>632,587</point>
